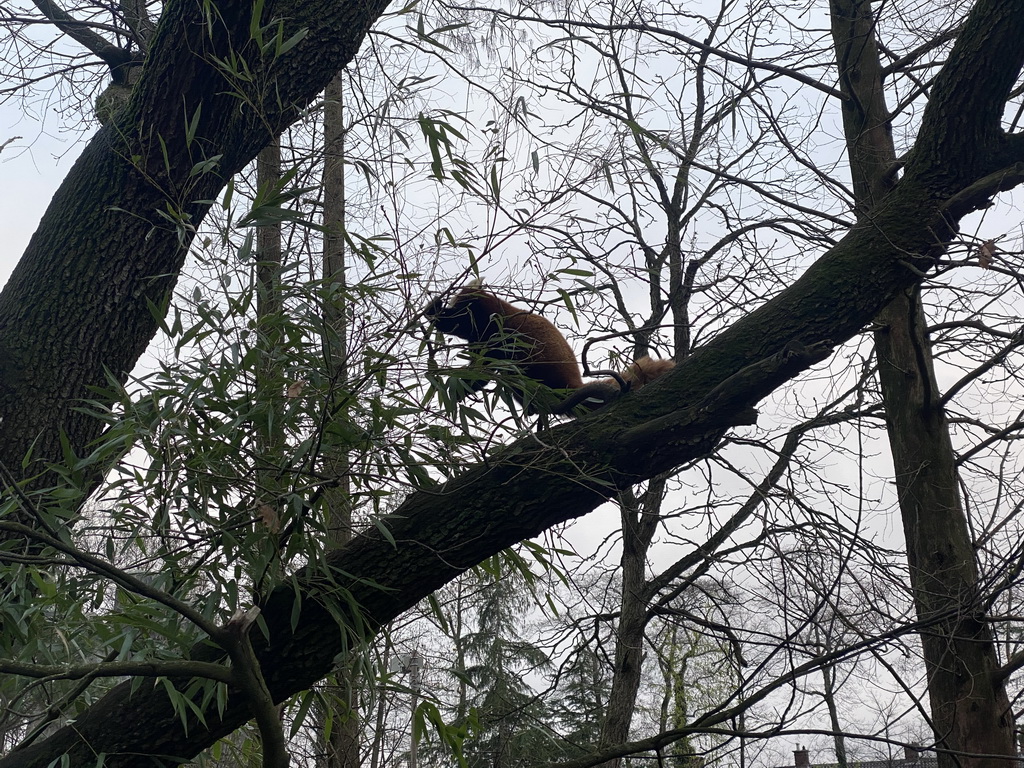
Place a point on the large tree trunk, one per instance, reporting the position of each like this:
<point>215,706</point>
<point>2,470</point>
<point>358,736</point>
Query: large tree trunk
<point>88,294</point>
<point>970,709</point>
<point>971,715</point>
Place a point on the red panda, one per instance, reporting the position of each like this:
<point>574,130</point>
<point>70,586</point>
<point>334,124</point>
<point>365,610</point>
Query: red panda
<point>501,331</point>
<point>498,330</point>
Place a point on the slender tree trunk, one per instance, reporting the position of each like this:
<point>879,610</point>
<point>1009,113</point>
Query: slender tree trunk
<point>970,709</point>
<point>346,733</point>
<point>639,522</point>
<point>335,314</point>
<point>271,439</point>
<point>828,679</point>
<point>459,641</point>
<point>378,732</point>
<point>268,308</point>
<point>268,248</point>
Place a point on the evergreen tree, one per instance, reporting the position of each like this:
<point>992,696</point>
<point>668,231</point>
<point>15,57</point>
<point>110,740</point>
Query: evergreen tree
<point>585,684</point>
<point>512,718</point>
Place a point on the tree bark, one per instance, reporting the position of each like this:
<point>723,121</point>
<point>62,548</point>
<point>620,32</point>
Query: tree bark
<point>971,716</point>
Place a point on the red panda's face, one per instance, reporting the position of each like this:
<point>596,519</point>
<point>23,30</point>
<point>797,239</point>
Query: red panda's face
<point>461,318</point>
<point>478,314</point>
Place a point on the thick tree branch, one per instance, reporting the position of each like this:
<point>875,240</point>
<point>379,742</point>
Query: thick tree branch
<point>963,120</point>
<point>1015,663</point>
<point>979,194</point>
<point>118,669</point>
<point>911,57</point>
<point>522,490</point>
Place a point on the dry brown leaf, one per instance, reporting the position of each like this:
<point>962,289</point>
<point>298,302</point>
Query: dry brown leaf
<point>985,253</point>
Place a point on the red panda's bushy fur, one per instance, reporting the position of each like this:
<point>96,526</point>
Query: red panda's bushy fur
<point>501,331</point>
